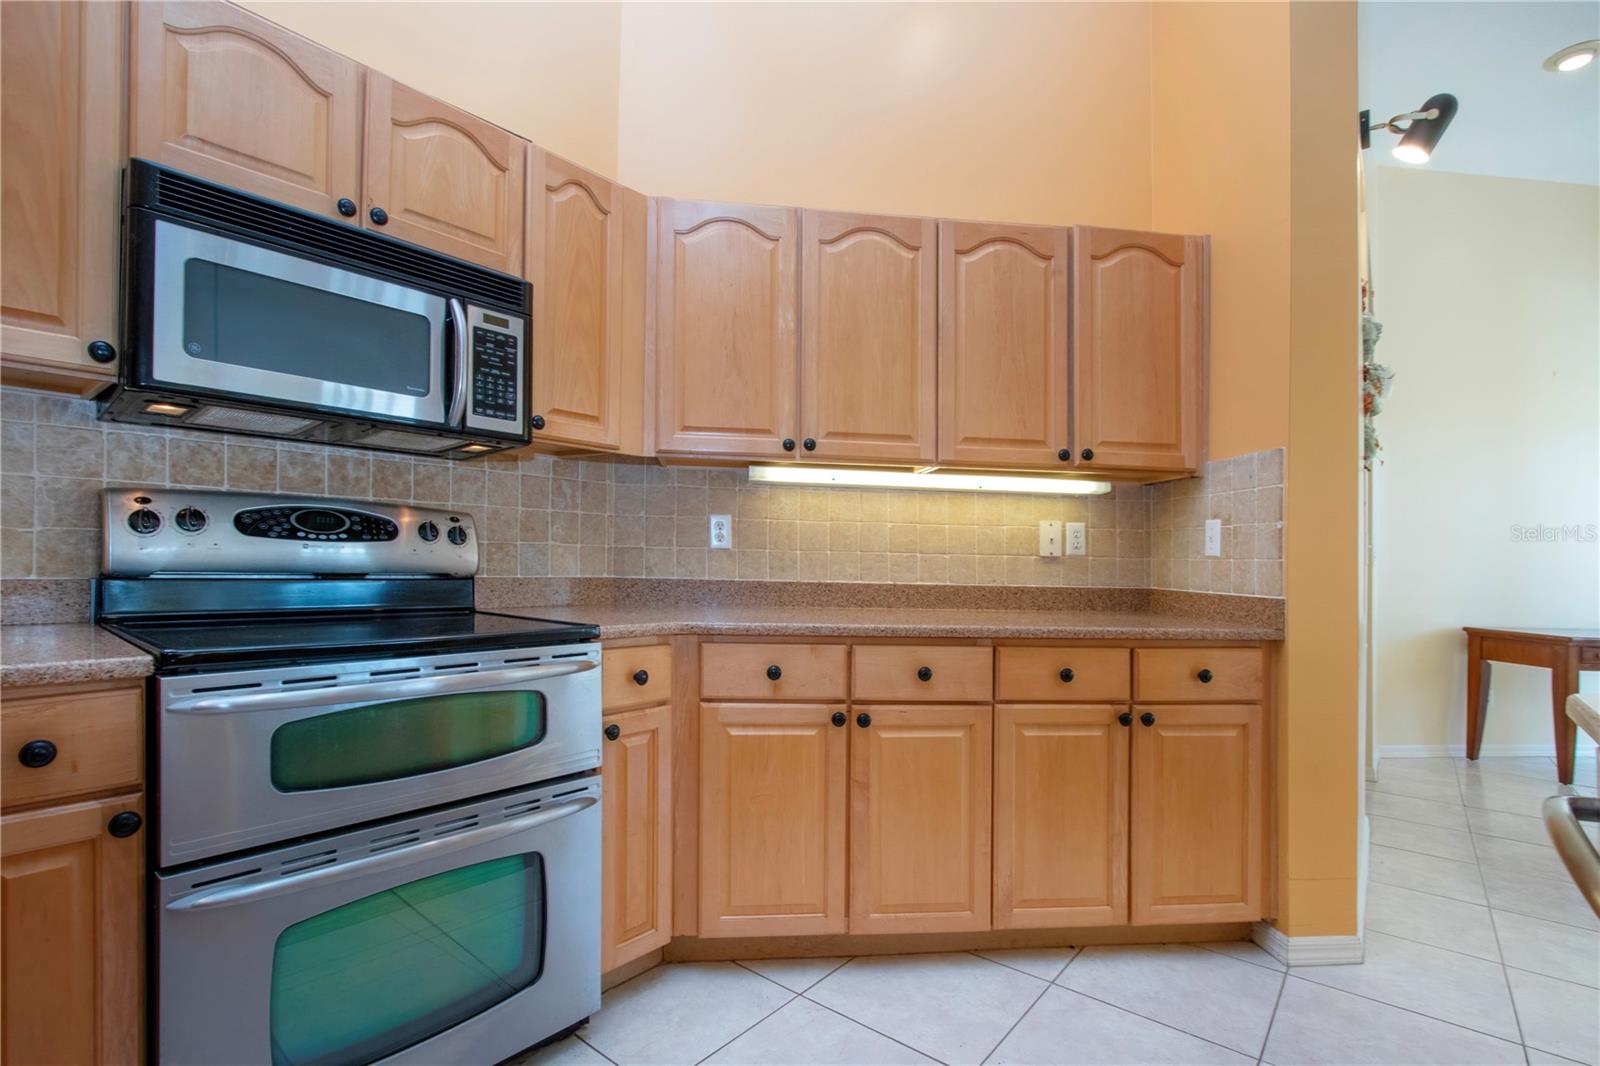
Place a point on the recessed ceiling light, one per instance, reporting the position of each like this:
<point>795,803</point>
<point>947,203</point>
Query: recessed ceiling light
<point>1573,57</point>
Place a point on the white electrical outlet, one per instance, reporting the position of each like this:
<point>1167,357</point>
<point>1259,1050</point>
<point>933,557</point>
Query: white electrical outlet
<point>1077,539</point>
<point>1213,536</point>
<point>1049,538</point>
<point>721,531</point>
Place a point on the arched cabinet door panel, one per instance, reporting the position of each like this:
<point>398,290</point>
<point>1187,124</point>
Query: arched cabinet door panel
<point>726,345</point>
<point>868,361</point>
<point>228,96</point>
<point>1138,373</point>
<point>1003,327</point>
<point>442,178</point>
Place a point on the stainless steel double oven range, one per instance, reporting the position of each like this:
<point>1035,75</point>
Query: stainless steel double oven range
<point>377,821</point>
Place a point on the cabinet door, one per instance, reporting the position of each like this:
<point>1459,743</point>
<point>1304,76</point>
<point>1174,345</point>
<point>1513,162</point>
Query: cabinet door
<point>1139,330</point>
<point>72,923</point>
<point>227,96</point>
<point>575,234</point>
<point>867,357</point>
<point>1003,344</point>
<point>1060,815</point>
<point>1197,814</point>
<point>772,819</point>
<point>636,803</point>
<point>445,179</point>
<point>725,329</point>
<point>919,819</point>
<point>60,120</point>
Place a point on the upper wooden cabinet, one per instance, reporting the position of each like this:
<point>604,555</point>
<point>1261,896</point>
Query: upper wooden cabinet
<point>1139,329</point>
<point>726,345</point>
<point>1003,334</point>
<point>575,261</point>
<point>869,319</point>
<point>227,96</point>
<point>61,93</point>
<point>636,835</point>
<point>443,178</point>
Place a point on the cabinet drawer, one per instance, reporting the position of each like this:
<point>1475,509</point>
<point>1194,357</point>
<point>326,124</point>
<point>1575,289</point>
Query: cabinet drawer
<point>934,673</point>
<point>96,739</point>
<point>746,671</point>
<point>1076,675</point>
<point>635,677</point>
<point>1589,656</point>
<point>1208,674</point>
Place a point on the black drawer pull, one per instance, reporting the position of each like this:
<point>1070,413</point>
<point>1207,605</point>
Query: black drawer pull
<point>925,673</point>
<point>774,672</point>
<point>1125,718</point>
<point>613,731</point>
<point>1147,718</point>
<point>839,718</point>
<point>863,719</point>
<point>641,677</point>
<point>1205,677</point>
<point>36,753</point>
<point>124,824</point>
<point>1067,675</point>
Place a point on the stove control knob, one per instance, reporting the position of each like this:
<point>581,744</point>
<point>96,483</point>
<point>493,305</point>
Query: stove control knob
<point>457,535</point>
<point>428,531</point>
<point>144,521</point>
<point>190,519</point>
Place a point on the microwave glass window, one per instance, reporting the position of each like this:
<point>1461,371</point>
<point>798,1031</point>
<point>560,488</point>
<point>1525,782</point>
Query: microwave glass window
<point>240,318</point>
<point>375,976</point>
<point>403,738</point>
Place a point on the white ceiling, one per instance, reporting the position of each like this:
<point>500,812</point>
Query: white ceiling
<point>1516,120</point>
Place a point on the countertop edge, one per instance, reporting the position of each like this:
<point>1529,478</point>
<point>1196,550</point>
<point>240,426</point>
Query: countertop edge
<point>131,667</point>
<point>1200,631</point>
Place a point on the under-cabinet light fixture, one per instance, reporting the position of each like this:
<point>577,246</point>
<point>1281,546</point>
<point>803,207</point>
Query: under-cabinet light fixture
<point>852,477</point>
<point>161,407</point>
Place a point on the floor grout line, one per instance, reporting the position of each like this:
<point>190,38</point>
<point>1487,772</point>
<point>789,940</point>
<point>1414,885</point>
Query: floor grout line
<point>1048,985</point>
<point>1401,1007</point>
<point>1271,1021</point>
<point>792,997</point>
<point>591,1047</point>
<point>864,1025</point>
<point>1157,1021</point>
<point>1076,951</point>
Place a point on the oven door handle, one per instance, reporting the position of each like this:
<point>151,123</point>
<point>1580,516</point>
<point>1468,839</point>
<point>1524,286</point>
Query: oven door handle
<point>325,875</point>
<point>456,415</point>
<point>377,692</point>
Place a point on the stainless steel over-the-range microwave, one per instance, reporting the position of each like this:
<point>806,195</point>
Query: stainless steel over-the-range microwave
<point>247,316</point>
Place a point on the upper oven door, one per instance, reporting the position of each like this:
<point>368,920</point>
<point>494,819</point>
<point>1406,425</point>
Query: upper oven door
<point>263,756</point>
<point>226,316</point>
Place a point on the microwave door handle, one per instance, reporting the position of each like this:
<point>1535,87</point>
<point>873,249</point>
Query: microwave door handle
<point>324,875</point>
<point>456,415</point>
<point>378,692</point>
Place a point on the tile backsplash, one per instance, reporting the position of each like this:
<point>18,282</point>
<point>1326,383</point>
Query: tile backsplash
<point>545,517</point>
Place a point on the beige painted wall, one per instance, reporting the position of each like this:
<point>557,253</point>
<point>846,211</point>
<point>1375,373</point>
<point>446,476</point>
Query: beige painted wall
<point>1489,292</point>
<point>1221,166</point>
<point>1022,112</point>
<point>545,71</point>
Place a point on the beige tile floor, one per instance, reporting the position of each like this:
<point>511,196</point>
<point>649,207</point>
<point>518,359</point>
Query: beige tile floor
<point>1479,950</point>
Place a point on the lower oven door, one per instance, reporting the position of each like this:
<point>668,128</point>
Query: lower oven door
<point>465,935</point>
<point>252,758</point>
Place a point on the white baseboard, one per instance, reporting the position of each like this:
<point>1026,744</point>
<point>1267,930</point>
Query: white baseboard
<point>1441,751</point>
<point>1308,950</point>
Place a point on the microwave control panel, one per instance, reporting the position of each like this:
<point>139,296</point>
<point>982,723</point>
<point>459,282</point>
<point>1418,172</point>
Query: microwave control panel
<point>496,392</point>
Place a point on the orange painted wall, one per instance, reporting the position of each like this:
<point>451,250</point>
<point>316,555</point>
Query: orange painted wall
<point>1219,75</point>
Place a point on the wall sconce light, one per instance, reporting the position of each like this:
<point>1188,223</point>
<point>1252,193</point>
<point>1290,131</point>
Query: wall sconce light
<point>1573,57</point>
<point>1419,130</point>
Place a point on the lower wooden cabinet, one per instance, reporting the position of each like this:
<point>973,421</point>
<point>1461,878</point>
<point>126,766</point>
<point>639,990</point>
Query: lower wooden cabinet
<point>773,781</point>
<point>919,818</point>
<point>636,834</point>
<point>71,914</point>
<point>1060,815</point>
<point>1197,812</point>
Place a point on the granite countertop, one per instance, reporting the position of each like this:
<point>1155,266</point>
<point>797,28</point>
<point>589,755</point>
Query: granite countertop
<point>619,623</point>
<point>62,654</point>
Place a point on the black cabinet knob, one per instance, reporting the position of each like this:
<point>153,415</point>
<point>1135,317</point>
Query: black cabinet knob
<point>613,731</point>
<point>924,673</point>
<point>1086,454</point>
<point>809,444</point>
<point>641,677</point>
<point>1065,455</point>
<point>36,753</point>
<point>124,824</point>
<point>774,672</point>
<point>1067,674</point>
<point>1204,677</point>
<point>347,206</point>
<point>1147,718</point>
<point>863,719</point>
<point>538,421</point>
<point>102,352</point>
<point>379,216</point>
<point>788,444</point>
<point>839,718</point>
<point>1125,718</point>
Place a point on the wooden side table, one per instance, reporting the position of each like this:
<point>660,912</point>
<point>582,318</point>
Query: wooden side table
<point>1564,652</point>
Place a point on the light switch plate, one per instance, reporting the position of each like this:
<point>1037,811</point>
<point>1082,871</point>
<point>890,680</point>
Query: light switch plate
<point>721,531</point>
<point>1049,538</point>
<point>1077,539</point>
<point>1213,536</point>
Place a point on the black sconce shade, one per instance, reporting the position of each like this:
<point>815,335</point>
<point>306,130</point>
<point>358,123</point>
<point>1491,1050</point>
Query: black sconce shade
<point>1417,143</point>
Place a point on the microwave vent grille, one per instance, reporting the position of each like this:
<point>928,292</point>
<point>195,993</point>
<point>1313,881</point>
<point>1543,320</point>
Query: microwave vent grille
<point>339,240</point>
<point>249,421</point>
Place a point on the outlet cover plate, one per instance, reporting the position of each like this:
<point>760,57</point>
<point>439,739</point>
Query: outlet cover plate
<point>1049,538</point>
<point>720,532</point>
<point>1214,536</point>
<point>1077,540</point>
